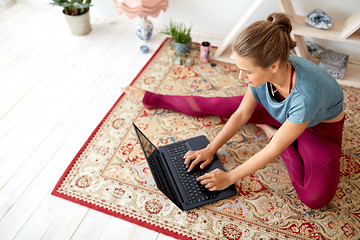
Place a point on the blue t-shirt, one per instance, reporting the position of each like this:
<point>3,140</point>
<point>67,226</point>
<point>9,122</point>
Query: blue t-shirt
<point>316,96</point>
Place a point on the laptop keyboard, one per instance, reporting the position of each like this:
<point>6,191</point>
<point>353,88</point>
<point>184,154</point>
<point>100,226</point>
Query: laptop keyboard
<point>194,190</point>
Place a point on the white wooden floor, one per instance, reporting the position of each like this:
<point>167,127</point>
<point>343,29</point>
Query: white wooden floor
<point>54,90</point>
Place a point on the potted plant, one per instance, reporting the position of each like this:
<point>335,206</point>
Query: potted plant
<point>181,34</point>
<point>77,14</point>
<point>6,3</point>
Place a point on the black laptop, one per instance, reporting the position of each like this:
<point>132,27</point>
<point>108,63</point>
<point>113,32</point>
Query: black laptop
<point>170,174</point>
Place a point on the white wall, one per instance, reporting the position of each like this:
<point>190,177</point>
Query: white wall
<point>217,17</point>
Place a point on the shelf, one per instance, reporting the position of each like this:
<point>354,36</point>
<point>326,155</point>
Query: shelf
<point>300,27</point>
<point>351,77</point>
<point>347,31</point>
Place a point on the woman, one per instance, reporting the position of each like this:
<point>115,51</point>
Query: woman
<point>296,103</point>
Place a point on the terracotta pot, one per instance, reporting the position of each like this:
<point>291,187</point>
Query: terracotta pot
<point>79,25</point>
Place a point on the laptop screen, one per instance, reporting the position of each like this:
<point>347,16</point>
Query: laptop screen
<point>147,146</point>
<point>155,162</point>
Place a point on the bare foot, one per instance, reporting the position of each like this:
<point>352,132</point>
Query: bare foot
<point>268,130</point>
<point>134,92</point>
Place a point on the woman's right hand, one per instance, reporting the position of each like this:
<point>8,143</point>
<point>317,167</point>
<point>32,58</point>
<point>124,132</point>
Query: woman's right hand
<point>204,155</point>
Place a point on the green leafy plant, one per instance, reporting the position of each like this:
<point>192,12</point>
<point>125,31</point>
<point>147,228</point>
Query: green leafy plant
<point>73,7</point>
<point>179,32</point>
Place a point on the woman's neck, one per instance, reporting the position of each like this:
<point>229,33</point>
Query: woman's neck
<point>281,78</point>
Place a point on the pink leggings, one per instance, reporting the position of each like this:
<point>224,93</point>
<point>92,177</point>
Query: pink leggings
<point>312,160</point>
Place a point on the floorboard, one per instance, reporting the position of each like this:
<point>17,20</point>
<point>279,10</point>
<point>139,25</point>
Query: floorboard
<point>55,89</point>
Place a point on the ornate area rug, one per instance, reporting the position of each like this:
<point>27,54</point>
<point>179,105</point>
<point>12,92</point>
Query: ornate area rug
<point>110,173</point>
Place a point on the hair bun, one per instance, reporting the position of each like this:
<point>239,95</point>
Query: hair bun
<point>266,41</point>
<point>280,20</point>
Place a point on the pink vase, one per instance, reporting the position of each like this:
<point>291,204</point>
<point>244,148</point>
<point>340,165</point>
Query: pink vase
<point>205,52</point>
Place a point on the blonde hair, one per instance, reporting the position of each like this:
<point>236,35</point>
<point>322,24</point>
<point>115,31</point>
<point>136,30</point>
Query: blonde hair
<point>266,41</point>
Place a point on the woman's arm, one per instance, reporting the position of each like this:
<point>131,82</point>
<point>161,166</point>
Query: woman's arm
<point>286,135</point>
<point>232,126</point>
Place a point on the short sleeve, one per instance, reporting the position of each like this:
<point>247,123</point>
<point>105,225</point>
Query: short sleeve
<point>301,110</point>
<point>254,92</point>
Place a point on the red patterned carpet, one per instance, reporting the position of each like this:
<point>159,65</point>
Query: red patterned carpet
<point>110,174</point>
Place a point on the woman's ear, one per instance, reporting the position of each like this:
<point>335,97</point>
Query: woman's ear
<point>275,66</point>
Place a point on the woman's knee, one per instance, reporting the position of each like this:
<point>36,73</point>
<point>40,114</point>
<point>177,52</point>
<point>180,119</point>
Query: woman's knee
<point>321,188</point>
<point>317,199</point>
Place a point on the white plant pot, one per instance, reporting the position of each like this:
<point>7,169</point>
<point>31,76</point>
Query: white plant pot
<point>79,25</point>
<point>6,3</point>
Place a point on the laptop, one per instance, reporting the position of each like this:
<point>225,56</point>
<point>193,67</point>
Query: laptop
<point>170,174</point>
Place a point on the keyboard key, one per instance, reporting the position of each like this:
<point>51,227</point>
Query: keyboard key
<point>194,190</point>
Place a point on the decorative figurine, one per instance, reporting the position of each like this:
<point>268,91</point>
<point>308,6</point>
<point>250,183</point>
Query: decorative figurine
<point>319,19</point>
<point>177,59</point>
<point>189,61</point>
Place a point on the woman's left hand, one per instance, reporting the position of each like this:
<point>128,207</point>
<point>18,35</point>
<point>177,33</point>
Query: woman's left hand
<point>215,180</point>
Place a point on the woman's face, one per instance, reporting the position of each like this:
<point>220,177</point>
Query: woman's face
<point>251,73</point>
